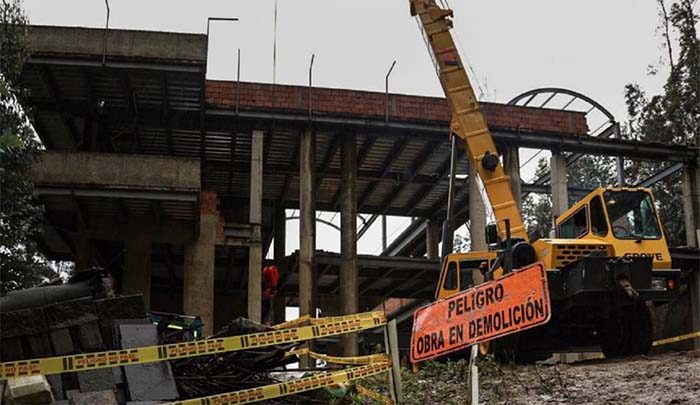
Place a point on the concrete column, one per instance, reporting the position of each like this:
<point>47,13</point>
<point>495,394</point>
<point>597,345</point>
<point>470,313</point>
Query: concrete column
<point>136,278</point>
<point>348,237</point>
<point>307,226</point>
<point>691,204</point>
<point>477,214</point>
<point>198,279</point>
<point>255,250</point>
<point>511,164</point>
<point>691,208</point>
<point>307,221</point>
<point>279,253</point>
<point>432,239</point>
<point>560,193</point>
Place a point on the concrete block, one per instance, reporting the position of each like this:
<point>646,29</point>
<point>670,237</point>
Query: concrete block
<point>90,337</point>
<point>11,349</point>
<point>61,341</point>
<point>116,323</point>
<point>129,306</point>
<point>153,381</point>
<point>70,313</point>
<point>39,345</point>
<point>56,383</point>
<point>71,393</point>
<point>96,380</point>
<point>14,323</point>
<point>30,389</point>
<point>90,398</point>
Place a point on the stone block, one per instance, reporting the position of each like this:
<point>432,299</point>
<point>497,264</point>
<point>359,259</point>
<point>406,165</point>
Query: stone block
<point>70,313</point>
<point>91,398</point>
<point>61,341</point>
<point>29,389</point>
<point>96,380</point>
<point>90,337</point>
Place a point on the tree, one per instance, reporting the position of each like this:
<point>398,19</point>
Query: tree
<point>671,117</point>
<point>21,214</point>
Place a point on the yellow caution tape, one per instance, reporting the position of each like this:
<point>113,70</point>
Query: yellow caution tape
<point>142,355</point>
<point>293,322</point>
<point>319,321</point>
<point>272,391</point>
<point>675,339</point>
<point>377,397</point>
<point>369,359</point>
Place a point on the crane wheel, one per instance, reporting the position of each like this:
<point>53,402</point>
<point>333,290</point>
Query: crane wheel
<point>629,333</point>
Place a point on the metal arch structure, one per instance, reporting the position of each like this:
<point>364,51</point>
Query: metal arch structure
<point>531,94</point>
<point>610,128</point>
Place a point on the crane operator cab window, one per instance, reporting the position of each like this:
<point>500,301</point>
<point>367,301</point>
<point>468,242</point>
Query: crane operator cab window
<point>632,215</point>
<point>599,226</point>
<point>576,226</point>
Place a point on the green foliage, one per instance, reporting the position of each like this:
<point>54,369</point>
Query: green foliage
<point>672,117</point>
<point>21,215</point>
<point>537,209</point>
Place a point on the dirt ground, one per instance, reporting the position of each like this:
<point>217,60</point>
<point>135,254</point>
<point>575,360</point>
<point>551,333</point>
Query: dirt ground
<point>668,378</point>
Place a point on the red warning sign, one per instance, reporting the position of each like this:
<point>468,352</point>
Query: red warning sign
<point>516,302</point>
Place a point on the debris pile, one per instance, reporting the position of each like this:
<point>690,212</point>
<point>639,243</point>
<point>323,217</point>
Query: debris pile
<point>233,371</point>
<point>83,316</point>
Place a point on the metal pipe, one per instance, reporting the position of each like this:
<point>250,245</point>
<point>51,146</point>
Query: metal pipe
<point>386,92</point>
<point>104,38</point>
<point>383,233</point>
<point>238,78</point>
<point>311,67</point>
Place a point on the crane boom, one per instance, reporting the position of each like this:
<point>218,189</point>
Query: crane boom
<point>471,126</point>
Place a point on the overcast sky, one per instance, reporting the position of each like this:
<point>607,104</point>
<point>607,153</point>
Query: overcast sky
<point>594,46</point>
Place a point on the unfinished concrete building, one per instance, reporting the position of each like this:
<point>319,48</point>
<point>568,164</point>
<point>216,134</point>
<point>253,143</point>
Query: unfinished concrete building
<point>178,185</point>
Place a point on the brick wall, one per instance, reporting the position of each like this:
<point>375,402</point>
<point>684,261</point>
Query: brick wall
<point>365,104</point>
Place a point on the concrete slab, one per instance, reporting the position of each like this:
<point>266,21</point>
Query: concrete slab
<point>148,381</point>
<point>102,170</point>
<point>121,44</point>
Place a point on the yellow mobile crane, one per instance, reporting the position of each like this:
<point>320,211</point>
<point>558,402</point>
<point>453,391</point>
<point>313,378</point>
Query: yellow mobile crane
<point>608,264</point>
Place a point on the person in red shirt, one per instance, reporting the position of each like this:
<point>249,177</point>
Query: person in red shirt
<point>270,277</point>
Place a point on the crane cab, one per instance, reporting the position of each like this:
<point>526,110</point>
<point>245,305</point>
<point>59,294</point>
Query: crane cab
<point>625,219</point>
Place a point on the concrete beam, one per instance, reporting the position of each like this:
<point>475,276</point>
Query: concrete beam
<point>560,194</point>
<point>97,170</point>
<point>255,251</point>
<point>167,231</point>
<point>348,240</point>
<point>81,42</point>
<point>198,278</point>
